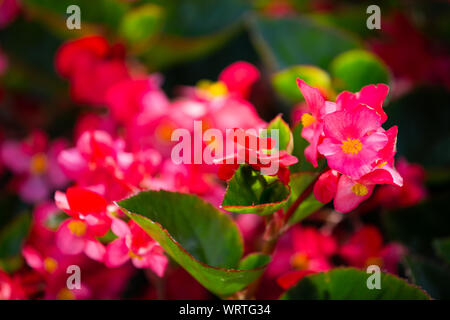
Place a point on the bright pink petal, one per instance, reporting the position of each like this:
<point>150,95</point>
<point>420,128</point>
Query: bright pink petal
<point>72,163</point>
<point>341,125</point>
<point>239,77</point>
<point>384,175</point>
<point>312,95</point>
<point>61,201</point>
<point>117,253</point>
<point>326,186</point>
<point>95,250</point>
<point>120,228</point>
<point>33,258</point>
<point>346,198</point>
<point>67,242</point>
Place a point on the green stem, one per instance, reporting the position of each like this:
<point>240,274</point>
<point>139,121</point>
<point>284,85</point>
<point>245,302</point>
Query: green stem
<point>270,243</point>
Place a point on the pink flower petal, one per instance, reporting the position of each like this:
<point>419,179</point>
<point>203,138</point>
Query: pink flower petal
<point>116,253</point>
<point>346,200</point>
<point>67,242</point>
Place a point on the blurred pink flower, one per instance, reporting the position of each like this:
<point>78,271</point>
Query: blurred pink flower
<point>34,162</point>
<point>135,244</point>
<point>88,221</point>
<point>365,247</point>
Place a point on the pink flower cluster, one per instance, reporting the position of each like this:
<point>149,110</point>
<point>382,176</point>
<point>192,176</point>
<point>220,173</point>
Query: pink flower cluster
<point>116,154</point>
<point>348,133</point>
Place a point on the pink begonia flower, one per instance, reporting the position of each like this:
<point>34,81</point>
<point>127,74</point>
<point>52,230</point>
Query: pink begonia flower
<point>97,281</point>
<point>40,250</point>
<point>88,220</point>
<point>349,193</point>
<point>304,250</point>
<point>239,78</point>
<point>9,9</point>
<point>92,67</point>
<point>34,162</point>
<point>412,192</point>
<point>365,247</point>
<point>100,160</point>
<point>312,121</point>
<point>371,95</point>
<point>257,158</point>
<point>129,97</point>
<point>135,244</point>
<point>352,140</point>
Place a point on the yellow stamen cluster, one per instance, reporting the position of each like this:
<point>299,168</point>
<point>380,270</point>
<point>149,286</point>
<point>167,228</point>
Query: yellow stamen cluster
<point>38,163</point>
<point>77,227</point>
<point>300,261</point>
<point>50,265</point>
<point>359,189</point>
<point>164,131</point>
<point>65,294</point>
<point>133,255</point>
<point>308,119</point>
<point>214,89</point>
<point>352,146</point>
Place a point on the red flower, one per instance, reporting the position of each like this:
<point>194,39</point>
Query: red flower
<point>88,220</point>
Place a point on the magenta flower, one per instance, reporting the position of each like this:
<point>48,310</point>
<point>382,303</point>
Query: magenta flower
<point>34,163</point>
<point>239,78</point>
<point>135,244</point>
<point>92,67</point>
<point>412,192</point>
<point>312,121</point>
<point>99,160</point>
<point>348,133</point>
<point>352,140</point>
<point>305,251</point>
<point>88,221</point>
<point>365,247</point>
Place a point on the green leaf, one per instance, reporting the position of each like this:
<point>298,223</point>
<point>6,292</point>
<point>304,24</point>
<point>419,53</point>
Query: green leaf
<point>442,247</point>
<point>432,277</point>
<point>285,81</point>
<point>298,183</point>
<point>250,192</point>
<point>253,261</point>
<point>288,42</point>
<point>285,138</point>
<point>168,49</point>
<point>351,284</point>
<point>200,238</point>
<point>142,23</point>
<point>192,29</point>
<point>355,69</point>
<point>13,235</point>
<point>202,17</point>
